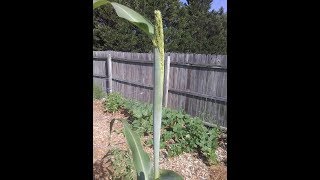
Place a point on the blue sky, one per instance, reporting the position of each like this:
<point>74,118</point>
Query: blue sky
<point>216,4</point>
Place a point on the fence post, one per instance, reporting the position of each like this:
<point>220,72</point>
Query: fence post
<point>109,73</point>
<point>166,81</point>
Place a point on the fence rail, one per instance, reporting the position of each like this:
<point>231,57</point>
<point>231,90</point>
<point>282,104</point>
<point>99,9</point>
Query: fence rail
<point>196,83</point>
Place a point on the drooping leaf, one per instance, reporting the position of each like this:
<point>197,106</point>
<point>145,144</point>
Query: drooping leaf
<point>130,15</point>
<point>141,159</point>
<point>134,17</point>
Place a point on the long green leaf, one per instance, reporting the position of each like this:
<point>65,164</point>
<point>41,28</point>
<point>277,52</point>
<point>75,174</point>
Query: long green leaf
<point>130,15</point>
<point>141,159</point>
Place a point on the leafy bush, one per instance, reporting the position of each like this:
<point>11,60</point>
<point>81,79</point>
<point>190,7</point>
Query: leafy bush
<point>114,102</point>
<point>188,134</point>
<point>98,93</point>
<point>180,132</point>
<point>208,144</point>
<point>141,117</point>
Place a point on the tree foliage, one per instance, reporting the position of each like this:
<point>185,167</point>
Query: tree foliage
<point>188,28</point>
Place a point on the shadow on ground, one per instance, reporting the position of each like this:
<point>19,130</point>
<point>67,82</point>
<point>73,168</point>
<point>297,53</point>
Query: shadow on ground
<point>102,168</point>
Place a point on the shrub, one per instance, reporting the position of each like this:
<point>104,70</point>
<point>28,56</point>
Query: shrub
<point>180,132</point>
<point>114,101</point>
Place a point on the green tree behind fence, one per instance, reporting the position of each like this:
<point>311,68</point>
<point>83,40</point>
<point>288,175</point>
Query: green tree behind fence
<point>188,28</point>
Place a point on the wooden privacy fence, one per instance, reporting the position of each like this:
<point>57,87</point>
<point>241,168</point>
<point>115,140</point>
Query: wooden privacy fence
<point>196,83</point>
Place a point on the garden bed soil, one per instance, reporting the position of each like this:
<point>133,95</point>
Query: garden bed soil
<point>189,165</point>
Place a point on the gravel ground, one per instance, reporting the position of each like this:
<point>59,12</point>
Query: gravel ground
<point>188,164</point>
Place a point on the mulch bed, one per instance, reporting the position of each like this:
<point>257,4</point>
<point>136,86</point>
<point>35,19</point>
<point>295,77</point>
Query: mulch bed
<point>189,165</point>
